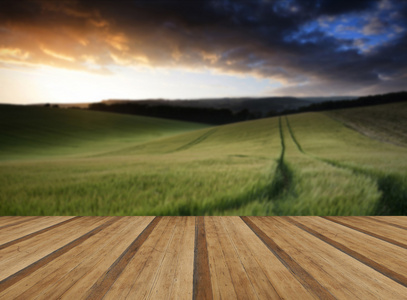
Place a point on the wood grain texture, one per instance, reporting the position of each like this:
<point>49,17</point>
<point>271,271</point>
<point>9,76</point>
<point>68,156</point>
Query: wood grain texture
<point>388,221</point>
<point>105,281</point>
<point>17,235</point>
<point>80,268</point>
<point>267,275</point>
<point>202,279</point>
<point>388,233</point>
<point>306,279</point>
<point>399,221</point>
<point>364,248</point>
<point>9,265</point>
<point>342,275</point>
<point>203,258</point>
<point>6,222</point>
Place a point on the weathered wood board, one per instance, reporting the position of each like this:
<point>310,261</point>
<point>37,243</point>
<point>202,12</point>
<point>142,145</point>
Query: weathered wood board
<point>203,257</point>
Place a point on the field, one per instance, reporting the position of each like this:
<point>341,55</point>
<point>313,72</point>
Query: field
<point>71,162</point>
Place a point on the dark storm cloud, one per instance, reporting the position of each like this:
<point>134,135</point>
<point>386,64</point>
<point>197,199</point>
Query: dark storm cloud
<point>263,38</point>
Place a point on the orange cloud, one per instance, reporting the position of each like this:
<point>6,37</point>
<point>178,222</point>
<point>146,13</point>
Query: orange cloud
<point>118,41</point>
<point>58,55</point>
<point>246,39</point>
<point>13,54</point>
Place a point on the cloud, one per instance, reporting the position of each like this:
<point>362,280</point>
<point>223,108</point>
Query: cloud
<point>385,5</point>
<point>260,38</point>
<point>342,28</point>
<point>398,29</point>
<point>375,26</point>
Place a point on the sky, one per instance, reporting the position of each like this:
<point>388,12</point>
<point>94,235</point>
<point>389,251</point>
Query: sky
<point>87,50</point>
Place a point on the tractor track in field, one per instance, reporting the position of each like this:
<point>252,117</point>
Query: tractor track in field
<point>393,199</point>
<point>281,185</point>
<point>283,175</point>
<point>196,141</point>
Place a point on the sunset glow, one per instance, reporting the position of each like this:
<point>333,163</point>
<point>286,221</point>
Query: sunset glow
<point>85,51</point>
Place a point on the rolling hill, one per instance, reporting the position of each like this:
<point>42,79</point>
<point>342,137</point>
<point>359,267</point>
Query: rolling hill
<point>386,123</point>
<point>27,131</point>
<point>303,164</point>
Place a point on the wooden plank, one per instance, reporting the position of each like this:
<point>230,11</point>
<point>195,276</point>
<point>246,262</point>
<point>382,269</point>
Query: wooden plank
<point>105,281</point>
<point>140,270</point>
<point>108,256</point>
<point>4,220</point>
<point>149,268</point>
<point>145,274</point>
<point>381,231</point>
<point>202,279</point>
<point>182,288</point>
<point>384,257</point>
<point>222,285</point>
<point>267,275</point>
<point>176,268</point>
<point>50,276</point>
<point>9,221</point>
<point>152,271</point>
<point>309,282</point>
<point>224,260</point>
<point>27,232</point>
<point>246,258</point>
<point>389,221</point>
<point>26,255</point>
<point>399,220</point>
<point>13,221</point>
<point>28,225</point>
<point>344,276</point>
<point>246,285</point>
<point>63,276</point>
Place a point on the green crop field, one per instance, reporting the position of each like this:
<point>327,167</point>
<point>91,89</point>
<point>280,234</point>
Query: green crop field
<point>38,132</point>
<point>72,162</point>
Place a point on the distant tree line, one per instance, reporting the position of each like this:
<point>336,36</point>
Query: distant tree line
<point>218,116</point>
<point>193,114</point>
<point>51,105</point>
<point>359,102</point>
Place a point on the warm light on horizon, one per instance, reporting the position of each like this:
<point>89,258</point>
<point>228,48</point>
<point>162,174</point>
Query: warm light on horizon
<point>58,85</point>
<point>81,51</point>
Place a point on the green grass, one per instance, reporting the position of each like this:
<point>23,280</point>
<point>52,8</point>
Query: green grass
<point>320,188</point>
<point>182,174</point>
<point>386,123</point>
<point>93,163</point>
<point>32,132</point>
<point>383,164</point>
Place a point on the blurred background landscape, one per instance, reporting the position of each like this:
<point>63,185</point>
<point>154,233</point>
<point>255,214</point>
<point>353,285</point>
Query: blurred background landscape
<point>59,161</point>
<point>212,107</point>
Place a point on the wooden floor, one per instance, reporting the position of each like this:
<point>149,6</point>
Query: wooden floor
<point>203,257</point>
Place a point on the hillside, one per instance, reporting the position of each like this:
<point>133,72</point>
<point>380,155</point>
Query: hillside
<point>43,131</point>
<point>302,164</point>
<point>386,123</point>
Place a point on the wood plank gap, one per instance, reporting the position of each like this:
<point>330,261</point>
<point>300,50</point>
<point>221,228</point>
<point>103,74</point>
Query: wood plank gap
<point>356,255</point>
<point>202,286</point>
<point>378,236</point>
<point>106,280</point>
<point>309,282</point>
<point>31,235</point>
<point>27,219</point>
<point>386,222</point>
<point>9,281</point>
